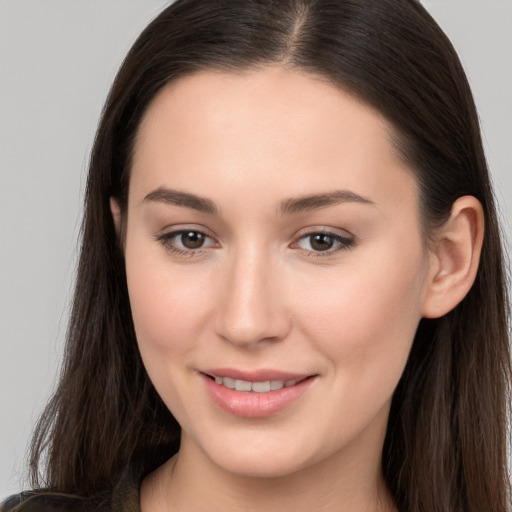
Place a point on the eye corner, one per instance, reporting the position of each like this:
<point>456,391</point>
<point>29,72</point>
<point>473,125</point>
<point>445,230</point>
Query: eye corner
<point>323,242</point>
<point>199,244</point>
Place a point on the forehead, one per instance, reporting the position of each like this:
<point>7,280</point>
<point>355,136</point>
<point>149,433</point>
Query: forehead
<point>290,100</point>
<point>218,128</point>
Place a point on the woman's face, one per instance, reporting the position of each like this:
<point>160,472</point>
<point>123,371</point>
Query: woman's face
<point>273,244</point>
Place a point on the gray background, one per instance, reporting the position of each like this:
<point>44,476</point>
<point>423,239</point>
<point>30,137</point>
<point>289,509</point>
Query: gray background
<point>57,60</point>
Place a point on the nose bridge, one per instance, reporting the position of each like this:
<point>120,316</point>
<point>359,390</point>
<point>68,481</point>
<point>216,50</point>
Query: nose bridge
<point>253,307</point>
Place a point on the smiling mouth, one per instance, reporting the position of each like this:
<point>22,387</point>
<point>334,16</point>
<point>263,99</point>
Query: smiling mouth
<point>255,387</point>
<point>255,398</point>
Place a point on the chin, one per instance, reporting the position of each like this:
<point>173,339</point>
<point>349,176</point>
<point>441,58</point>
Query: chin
<point>263,458</point>
<point>261,466</point>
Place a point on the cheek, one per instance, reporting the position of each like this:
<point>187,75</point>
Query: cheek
<point>365,319</point>
<point>169,310</point>
<point>168,304</point>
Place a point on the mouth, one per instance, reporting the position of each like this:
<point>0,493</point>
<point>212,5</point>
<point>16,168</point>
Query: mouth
<point>264,386</point>
<point>256,394</point>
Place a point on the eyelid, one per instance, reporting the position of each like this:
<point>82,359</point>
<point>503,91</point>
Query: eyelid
<point>344,241</point>
<point>166,236</point>
<point>171,230</point>
<point>327,230</point>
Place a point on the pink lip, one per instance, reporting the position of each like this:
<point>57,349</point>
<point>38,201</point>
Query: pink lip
<point>255,405</point>
<point>254,375</point>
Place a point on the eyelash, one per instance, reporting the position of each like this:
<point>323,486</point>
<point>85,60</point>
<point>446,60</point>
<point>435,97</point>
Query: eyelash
<point>342,243</point>
<point>167,240</point>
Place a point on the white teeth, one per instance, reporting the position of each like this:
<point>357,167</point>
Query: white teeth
<point>256,387</point>
<point>242,385</point>
<point>261,387</point>
<point>276,384</point>
<point>229,383</point>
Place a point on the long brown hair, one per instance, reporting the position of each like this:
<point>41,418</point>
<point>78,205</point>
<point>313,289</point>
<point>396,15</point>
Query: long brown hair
<point>445,448</point>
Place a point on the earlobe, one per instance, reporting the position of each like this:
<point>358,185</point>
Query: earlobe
<point>454,256</point>
<point>115,209</point>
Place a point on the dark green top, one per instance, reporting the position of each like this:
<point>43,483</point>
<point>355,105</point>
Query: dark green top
<point>123,498</point>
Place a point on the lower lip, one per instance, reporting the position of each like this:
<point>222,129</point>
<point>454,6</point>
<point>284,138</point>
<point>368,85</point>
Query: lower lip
<point>255,405</point>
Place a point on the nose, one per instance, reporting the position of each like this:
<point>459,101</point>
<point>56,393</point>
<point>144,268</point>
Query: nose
<point>252,309</point>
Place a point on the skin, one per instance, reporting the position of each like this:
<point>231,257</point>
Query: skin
<point>258,295</point>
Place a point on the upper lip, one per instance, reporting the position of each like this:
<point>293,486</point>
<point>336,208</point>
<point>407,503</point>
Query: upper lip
<point>260,375</point>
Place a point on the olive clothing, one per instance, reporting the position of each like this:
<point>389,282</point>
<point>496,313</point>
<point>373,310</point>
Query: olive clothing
<point>123,498</point>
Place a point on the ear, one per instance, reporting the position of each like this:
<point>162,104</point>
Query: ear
<point>454,257</point>
<point>115,209</point>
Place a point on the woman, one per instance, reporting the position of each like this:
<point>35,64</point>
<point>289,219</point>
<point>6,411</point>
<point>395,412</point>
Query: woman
<point>290,292</point>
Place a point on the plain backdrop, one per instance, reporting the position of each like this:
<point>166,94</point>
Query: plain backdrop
<point>57,61</point>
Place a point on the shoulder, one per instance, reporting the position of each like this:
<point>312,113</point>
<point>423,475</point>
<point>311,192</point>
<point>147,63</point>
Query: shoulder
<point>34,501</point>
<point>45,501</point>
<point>123,498</point>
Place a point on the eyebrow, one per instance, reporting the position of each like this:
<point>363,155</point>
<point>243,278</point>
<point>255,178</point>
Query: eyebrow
<point>288,207</point>
<point>317,201</point>
<point>176,198</point>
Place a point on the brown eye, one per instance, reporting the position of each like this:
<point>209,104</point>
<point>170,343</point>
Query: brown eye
<point>192,239</point>
<point>321,242</point>
<point>186,242</point>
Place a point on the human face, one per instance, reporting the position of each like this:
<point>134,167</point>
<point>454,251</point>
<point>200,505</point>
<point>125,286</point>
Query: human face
<point>273,234</point>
